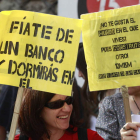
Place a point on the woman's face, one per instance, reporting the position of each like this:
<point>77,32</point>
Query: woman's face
<point>57,118</point>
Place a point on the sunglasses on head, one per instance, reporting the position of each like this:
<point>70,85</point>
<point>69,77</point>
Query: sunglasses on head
<point>59,103</point>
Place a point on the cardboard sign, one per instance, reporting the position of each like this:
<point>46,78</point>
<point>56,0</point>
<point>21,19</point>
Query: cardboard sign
<point>38,51</point>
<point>112,48</point>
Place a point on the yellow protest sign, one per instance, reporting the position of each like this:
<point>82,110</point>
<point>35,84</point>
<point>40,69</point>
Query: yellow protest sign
<point>38,51</point>
<point>112,47</point>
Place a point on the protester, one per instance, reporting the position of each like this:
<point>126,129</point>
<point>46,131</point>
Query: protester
<point>45,116</point>
<point>92,99</point>
<point>128,132</point>
<point>7,102</point>
<point>111,116</point>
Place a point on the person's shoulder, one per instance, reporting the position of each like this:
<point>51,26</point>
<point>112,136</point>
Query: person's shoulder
<point>17,137</point>
<point>109,101</point>
<point>93,135</point>
<point>115,96</point>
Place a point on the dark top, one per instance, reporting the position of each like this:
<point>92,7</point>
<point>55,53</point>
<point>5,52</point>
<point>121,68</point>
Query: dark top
<point>7,102</point>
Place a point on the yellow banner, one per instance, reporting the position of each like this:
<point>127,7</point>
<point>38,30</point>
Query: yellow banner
<point>38,51</point>
<point>112,48</point>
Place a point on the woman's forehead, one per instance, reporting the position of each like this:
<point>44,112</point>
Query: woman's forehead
<point>57,97</point>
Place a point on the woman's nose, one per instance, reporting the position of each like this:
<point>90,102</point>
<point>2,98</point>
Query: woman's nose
<point>66,107</point>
